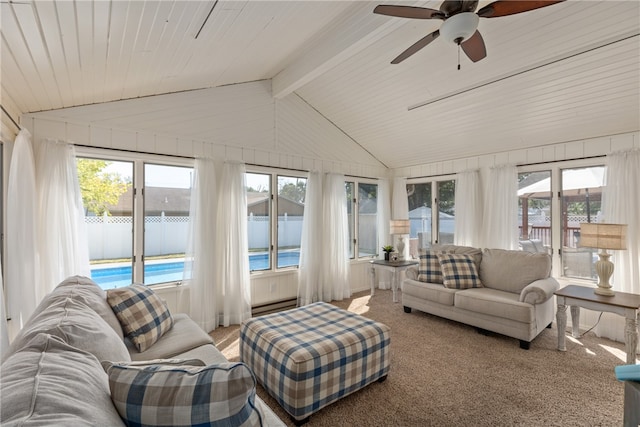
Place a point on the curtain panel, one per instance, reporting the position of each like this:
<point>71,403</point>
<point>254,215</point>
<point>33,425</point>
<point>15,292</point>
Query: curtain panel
<point>22,269</point>
<point>500,219</point>
<point>201,256</point>
<point>233,277</point>
<point>335,268</point>
<point>468,203</point>
<point>311,244</point>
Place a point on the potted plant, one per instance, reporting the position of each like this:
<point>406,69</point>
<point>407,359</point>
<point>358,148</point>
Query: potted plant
<point>387,250</point>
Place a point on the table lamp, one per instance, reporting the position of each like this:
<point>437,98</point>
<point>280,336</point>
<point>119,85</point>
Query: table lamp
<point>399,227</point>
<point>603,236</point>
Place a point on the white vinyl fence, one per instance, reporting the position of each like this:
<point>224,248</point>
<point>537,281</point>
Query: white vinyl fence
<point>111,237</point>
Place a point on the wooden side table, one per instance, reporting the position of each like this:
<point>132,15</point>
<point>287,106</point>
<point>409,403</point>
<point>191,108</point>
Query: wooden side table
<point>623,304</point>
<point>396,267</point>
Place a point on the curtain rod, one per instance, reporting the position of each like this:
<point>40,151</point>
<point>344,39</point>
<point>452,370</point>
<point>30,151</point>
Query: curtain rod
<point>133,151</point>
<point>11,118</point>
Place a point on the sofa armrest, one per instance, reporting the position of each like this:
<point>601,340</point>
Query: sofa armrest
<point>412,272</point>
<point>539,291</point>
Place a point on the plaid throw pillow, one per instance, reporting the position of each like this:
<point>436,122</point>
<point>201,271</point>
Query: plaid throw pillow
<point>173,395</point>
<point>429,269</point>
<point>143,315</point>
<point>459,271</point>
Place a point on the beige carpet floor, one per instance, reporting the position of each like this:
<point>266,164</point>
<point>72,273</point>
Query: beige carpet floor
<point>445,373</point>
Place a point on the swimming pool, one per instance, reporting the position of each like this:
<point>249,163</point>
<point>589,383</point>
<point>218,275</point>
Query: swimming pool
<point>171,271</point>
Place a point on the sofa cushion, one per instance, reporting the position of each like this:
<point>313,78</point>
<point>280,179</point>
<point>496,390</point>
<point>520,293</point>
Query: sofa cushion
<point>495,303</point>
<point>48,382</point>
<point>165,395</point>
<point>143,315</point>
<point>429,269</point>
<point>86,291</point>
<point>77,325</point>
<point>434,292</point>
<point>511,271</point>
<point>459,271</point>
<point>184,336</point>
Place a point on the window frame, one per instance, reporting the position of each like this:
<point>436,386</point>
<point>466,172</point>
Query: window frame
<point>139,160</point>
<point>274,173</point>
<point>435,219</point>
<point>355,239</point>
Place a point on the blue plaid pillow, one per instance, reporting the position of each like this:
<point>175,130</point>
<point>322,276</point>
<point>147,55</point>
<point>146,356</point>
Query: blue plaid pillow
<point>143,315</point>
<point>172,393</point>
<point>459,271</point>
<point>429,269</point>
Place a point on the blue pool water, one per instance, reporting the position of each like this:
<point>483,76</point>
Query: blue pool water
<point>113,277</point>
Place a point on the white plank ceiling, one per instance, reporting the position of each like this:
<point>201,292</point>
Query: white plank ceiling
<point>566,72</point>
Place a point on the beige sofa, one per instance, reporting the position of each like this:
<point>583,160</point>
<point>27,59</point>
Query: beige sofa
<point>515,298</point>
<point>52,373</point>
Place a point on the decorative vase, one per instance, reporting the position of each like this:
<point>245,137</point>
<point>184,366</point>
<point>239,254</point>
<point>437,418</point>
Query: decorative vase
<point>386,256</point>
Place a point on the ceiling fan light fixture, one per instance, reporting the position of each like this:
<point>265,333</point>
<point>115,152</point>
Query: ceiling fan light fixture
<point>459,27</point>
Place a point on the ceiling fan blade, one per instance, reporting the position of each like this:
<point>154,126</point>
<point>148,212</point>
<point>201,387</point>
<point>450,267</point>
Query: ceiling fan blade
<point>504,8</point>
<point>408,12</point>
<point>474,47</point>
<point>416,47</point>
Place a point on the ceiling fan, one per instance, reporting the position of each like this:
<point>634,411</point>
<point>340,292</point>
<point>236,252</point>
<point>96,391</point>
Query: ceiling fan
<point>460,22</point>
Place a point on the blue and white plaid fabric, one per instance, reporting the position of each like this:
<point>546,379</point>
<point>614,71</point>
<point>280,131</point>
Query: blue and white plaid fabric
<point>429,269</point>
<point>173,394</point>
<point>143,315</point>
<point>459,271</point>
<point>309,357</point>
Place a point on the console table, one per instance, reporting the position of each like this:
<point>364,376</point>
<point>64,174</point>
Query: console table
<point>396,267</point>
<point>623,304</point>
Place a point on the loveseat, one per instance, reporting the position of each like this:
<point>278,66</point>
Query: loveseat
<point>55,372</point>
<point>509,292</point>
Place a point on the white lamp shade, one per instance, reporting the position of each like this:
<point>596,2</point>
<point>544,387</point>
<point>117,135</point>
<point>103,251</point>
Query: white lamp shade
<point>603,236</point>
<point>399,226</point>
<point>459,27</point>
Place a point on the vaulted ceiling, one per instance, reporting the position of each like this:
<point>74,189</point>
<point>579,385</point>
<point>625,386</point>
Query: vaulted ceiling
<point>565,72</point>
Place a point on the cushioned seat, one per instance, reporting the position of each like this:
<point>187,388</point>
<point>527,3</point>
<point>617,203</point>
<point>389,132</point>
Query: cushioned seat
<point>495,303</point>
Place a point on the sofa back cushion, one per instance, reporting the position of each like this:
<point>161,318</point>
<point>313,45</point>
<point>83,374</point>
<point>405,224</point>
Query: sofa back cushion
<point>173,395</point>
<point>511,271</point>
<point>77,325</point>
<point>475,253</point>
<point>48,382</point>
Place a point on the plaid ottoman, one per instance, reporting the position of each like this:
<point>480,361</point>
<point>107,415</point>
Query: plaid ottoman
<point>309,357</point>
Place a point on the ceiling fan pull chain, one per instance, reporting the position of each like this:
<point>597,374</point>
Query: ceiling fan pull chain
<point>458,56</point>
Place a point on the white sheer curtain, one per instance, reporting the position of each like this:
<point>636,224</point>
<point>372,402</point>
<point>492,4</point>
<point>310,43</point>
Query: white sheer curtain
<point>400,209</point>
<point>201,256</point>
<point>233,252</point>
<point>62,235</point>
<point>621,205</point>
<point>382,221</point>
<point>335,268</point>
<point>468,202</point>
<point>309,281</point>
<point>22,272</point>
<point>500,219</point>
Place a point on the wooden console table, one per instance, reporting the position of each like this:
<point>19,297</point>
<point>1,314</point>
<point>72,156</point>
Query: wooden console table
<point>623,304</point>
<point>395,267</point>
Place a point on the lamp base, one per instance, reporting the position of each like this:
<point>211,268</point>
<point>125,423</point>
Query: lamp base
<point>607,292</point>
<point>604,268</point>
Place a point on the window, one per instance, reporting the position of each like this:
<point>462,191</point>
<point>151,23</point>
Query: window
<point>137,217</point>
<point>287,205</point>
<point>364,242</point>
<point>422,196</point>
<point>581,198</point>
<point>534,210</point>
